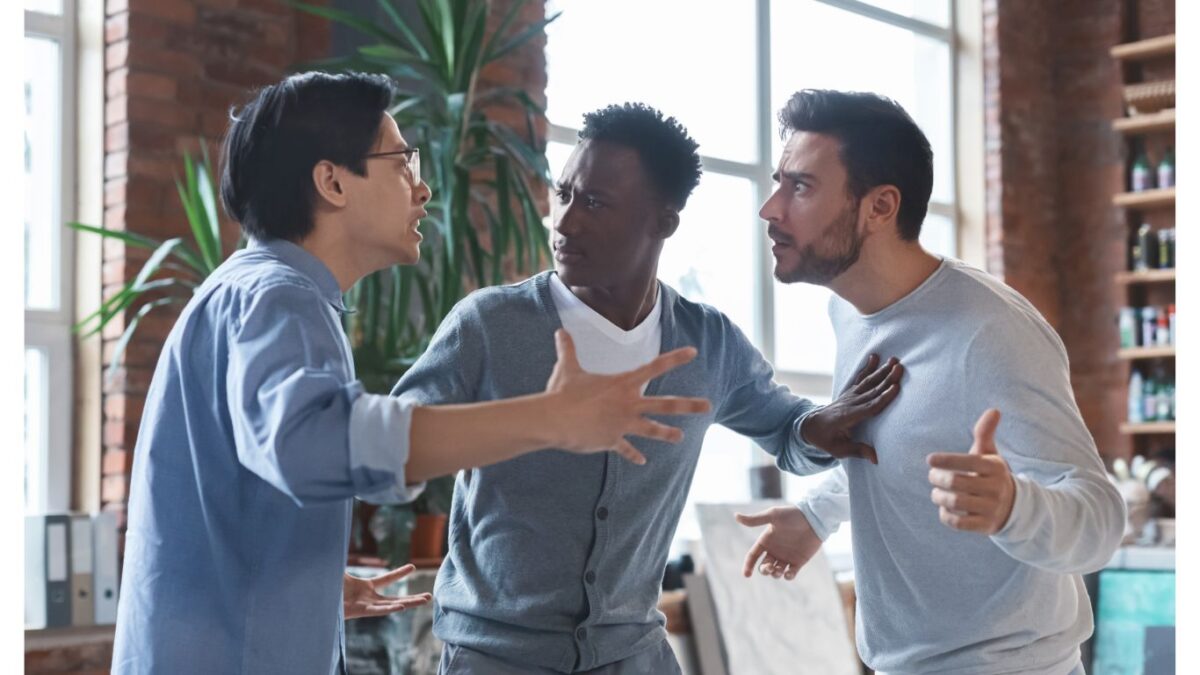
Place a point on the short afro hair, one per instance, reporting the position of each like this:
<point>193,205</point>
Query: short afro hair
<point>667,152</point>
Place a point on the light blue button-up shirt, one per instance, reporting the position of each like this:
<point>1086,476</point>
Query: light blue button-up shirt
<point>254,440</point>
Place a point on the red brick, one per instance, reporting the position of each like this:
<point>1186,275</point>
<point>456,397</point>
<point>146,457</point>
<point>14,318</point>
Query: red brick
<point>123,406</point>
<point>115,462</point>
<point>116,55</point>
<point>182,12</point>
<point>158,113</point>
<point>116,110</point>
<point>116,27</point>
<point>116,164</point>
<point>118,433</point>
<point>151,85</point>
<point>116,137</point>
<point>114,83</point>
<point>114,488</point>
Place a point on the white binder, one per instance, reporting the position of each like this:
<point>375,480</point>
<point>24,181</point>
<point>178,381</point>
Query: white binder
<point>82,610</point>
<point>35,572</point>
<point>104,567</point>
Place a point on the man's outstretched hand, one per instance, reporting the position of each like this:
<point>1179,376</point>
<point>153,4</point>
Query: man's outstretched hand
<point>784,547</point>
<point>360,597</point>
<point>831,428</point>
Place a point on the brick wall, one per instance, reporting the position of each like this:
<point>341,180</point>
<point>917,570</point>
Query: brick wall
<point>1052,166</point>
<point>173,68</point>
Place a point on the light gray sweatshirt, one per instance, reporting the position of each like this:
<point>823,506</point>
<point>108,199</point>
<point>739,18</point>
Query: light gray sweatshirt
<point>936,600</point>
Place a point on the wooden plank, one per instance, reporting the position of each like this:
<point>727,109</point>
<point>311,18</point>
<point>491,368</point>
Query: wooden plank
<point>1146,277</point>
<point>1145,49</point>
<point>1146,199</point>
<point>1136,353</point>
<point>1163,120</point>
<point>1148,428</point>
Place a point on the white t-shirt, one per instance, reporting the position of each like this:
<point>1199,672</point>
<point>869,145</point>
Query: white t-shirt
<point>601,346</point>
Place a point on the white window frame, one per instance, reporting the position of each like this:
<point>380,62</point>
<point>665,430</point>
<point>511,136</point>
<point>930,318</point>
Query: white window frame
<point>762,332</point>
<point>50,330</point>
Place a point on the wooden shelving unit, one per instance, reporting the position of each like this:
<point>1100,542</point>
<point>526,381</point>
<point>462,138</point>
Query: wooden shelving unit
<point>1148,428</point>
<point>1163,120</point>
<point>1147,131</point>
<point>1146,199</point>
<point>1142,353</point>
<point>1146,277</point>
<point>1143,50</point>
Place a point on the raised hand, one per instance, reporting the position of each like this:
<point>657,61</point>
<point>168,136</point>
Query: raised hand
<point>784,547</point>
<point>831,428</point>
<point>360,597</point>
<point>974,491</point>
<point>596,412</point>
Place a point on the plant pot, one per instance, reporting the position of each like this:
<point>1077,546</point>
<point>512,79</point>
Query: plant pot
<point>429,539</point>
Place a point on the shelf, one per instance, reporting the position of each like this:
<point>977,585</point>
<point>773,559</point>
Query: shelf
<point>1145,199</point>
<point>1145,49</point>
<point>1163,120</point>
<point>1148,428</point>
<point>1135,353</point>
<point>1146,277</point>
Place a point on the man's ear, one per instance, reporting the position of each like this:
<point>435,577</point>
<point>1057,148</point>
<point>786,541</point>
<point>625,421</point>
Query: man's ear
<point>882,207</point>
<point>668,221</point>
<point>327,179</point>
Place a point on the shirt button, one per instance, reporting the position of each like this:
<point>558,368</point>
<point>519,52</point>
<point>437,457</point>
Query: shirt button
<point>602,513</point>
<point>590,577</point>
<point>581,632</point>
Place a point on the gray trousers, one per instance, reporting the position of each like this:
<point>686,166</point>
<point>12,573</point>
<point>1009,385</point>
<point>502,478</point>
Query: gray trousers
<point>658,660</point>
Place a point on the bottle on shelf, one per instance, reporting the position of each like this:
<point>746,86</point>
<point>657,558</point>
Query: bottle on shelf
<point>1164,250</point>
<point>1147,246</point>
<point>1166,169</point>
<point>1140,177</point>
<point>1136,408</point>
<point>1149,399</point>
<point>1171,321</point>
<point>1162,332</point>
<point>1128,325</point>
<point>1149,325</point>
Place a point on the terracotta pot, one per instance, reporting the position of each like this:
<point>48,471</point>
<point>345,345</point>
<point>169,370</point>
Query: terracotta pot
<point>428,538</point>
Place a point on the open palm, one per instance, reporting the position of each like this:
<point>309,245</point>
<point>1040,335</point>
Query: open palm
<point>784,547</point>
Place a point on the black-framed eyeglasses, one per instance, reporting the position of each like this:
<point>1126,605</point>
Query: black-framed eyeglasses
<point>413,165</point>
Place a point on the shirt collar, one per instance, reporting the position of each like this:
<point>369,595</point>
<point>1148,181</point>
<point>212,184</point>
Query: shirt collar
<point>309,265</point>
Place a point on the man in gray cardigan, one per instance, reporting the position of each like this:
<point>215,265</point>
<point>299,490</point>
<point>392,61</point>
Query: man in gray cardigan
<point>556,561</point>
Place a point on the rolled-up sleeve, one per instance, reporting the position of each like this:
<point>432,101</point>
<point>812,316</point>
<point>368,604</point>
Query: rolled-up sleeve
<point>298,417</point>
<point>375,424</point>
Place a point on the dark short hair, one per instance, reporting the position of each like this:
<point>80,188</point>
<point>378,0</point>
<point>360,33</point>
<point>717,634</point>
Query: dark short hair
<point>663,145</point>
<point>880,145</point>
<point>276,139</point>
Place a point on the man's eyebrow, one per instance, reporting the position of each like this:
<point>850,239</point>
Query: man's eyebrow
<point>795,176</point>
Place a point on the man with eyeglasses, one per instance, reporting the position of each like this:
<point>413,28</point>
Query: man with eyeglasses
<point>256,435</point>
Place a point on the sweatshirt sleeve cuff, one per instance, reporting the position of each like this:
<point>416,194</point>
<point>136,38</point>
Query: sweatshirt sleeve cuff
<point>379,438</point>
<point>803,458</point>
<point>822,527</point>
<point>1021,520</point>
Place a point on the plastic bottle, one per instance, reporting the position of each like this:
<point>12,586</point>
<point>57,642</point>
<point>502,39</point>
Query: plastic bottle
<point>1149,399</point>
<point>1128,326</point>
<point>1140,177</point>
<point>1136,409</point>
<point>1166,170</point>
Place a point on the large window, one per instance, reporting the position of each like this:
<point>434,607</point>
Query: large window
<point>724,75</point>
<point>49,189</point>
